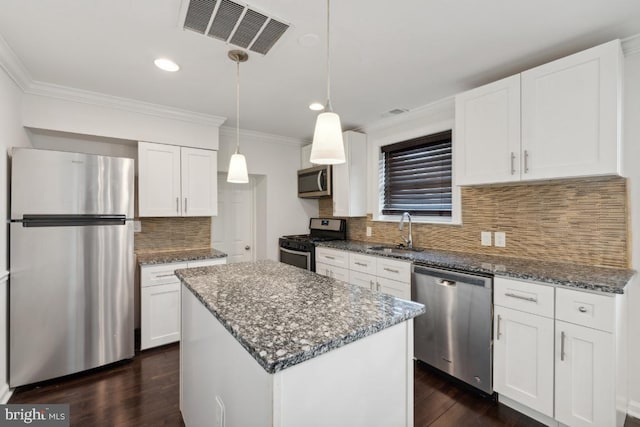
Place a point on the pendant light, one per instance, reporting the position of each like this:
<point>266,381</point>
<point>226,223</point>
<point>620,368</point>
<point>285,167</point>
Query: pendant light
<point>238,164</point>
<point>328,147</point>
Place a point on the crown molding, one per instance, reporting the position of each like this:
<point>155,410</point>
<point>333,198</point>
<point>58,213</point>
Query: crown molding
<point>12,65</point>
<point>436,107</point>
<point>631,45</point>
<point>94,98</point>
<point>267,137</point>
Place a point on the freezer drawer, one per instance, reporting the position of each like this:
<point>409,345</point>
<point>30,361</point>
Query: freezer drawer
<point>71,299</point>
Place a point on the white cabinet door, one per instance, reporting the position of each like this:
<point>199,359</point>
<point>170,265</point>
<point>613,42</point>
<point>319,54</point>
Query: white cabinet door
<point>585,376</point>
<point>570,111</point>
<point>158,180</point>
<point>199,182</point>
<point>523,358</point>
<point>334,272</point>
<point>364,280</point>
<point>395,288</point>
<point>487,137</point>
<point>350,178</point>
<point>160,315</point>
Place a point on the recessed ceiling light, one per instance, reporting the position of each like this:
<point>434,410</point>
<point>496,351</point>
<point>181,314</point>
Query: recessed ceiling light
<point>166,64</point>
<point>316,106</point>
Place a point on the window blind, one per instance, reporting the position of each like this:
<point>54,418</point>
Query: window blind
<point>416,176</point>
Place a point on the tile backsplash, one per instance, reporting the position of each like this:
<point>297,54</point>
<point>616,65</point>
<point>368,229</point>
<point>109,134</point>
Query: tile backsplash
<point>574,220</point>
<point>174,233</point>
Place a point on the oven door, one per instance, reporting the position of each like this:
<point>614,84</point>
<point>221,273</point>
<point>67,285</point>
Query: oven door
<point>300,259</point>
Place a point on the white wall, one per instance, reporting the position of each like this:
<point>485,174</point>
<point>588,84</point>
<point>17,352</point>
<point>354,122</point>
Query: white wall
<point>632,168</point>
<point>276,161</point>
<point>12,134</point>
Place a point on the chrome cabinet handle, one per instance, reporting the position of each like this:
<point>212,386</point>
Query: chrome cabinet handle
<point>562,346</point>
<point>582,309</point>
<point>391,270</point>
<point>165,275</point>
<point>329,257</point>
<point>513,166</point>
<point>498,327</point>
<point>377,286</point>
<point>526,161</point>
<point>178,204</point>
<point>361,264</point>
<point>371,285</point>
<point>185,205</point>
<point>530,299</point>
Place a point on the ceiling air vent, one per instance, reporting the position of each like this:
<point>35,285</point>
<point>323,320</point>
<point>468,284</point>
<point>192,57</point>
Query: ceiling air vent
<point>234,23</point>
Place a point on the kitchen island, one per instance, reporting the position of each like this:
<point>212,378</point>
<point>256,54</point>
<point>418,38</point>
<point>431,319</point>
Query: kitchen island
<point>268,344</point>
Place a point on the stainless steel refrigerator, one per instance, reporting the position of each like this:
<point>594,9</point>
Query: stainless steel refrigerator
<point>71,263</point>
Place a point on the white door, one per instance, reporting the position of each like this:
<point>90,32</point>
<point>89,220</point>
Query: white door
<point>585,375</point>
<point>158,180</point>
<point>487,137</point>
<point>570,111</point>
<point>523,358</point>
<point>234,227</point>
<point>199,186</point>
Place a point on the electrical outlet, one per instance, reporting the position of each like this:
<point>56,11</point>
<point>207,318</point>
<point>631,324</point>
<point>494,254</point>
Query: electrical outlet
<point>500,239</point>
<point>137,226</point>
<point>485,238</point>
<point>368,231</point>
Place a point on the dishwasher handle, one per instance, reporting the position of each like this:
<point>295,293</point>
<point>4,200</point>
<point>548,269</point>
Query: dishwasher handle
<point>452,278</point>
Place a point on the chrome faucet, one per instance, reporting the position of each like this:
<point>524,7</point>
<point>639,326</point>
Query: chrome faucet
<point>407,240</point>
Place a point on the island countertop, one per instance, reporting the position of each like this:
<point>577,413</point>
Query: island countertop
<point>283,315</point>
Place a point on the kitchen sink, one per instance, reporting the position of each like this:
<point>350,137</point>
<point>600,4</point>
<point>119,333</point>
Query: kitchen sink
<point>394,249</point>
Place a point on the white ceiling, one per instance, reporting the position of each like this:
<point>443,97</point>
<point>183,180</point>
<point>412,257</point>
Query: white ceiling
<point>385,54</point>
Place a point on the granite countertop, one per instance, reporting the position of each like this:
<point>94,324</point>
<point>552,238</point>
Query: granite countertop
<point>165,257</point>
<point>283,315</point>
<point>602,279</point>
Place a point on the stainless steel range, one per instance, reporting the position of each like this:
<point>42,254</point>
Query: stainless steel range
<point>300,250</point>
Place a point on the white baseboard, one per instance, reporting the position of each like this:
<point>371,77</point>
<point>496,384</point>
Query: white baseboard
<point>633,410</point>
<point>5,393</point>
<point>531,413</point>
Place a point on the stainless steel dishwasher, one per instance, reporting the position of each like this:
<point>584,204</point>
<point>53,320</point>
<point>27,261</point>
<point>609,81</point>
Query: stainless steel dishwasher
<point>454,334</point>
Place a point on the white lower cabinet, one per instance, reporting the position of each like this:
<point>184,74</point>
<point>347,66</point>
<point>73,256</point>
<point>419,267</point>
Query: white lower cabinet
<point>160,301</point>
<point>555,353</point>
<point>585,376</point>
<point>523,358</point>
<point>381,274</point>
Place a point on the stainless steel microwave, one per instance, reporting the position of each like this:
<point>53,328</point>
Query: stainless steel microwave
<point>314,182</point>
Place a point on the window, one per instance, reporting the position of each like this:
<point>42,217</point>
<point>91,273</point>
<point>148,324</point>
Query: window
<point>415,176</point>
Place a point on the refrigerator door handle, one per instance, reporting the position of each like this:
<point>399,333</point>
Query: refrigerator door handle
<point>71,220</point>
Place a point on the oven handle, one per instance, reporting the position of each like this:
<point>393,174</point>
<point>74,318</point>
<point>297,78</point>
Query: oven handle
<point>307,254</point>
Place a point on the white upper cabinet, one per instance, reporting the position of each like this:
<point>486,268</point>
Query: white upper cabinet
<point>487,138</point>
<point>199,182</point>
<point>558,120</point>
<point>350,178</point>
<point>570,115</point>
<point>176,181</point>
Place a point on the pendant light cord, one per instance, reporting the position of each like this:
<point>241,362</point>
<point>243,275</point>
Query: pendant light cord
<point>237,106</point>
<point>328,106</point>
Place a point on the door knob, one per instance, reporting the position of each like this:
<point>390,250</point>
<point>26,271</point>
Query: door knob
<point>246,248</point>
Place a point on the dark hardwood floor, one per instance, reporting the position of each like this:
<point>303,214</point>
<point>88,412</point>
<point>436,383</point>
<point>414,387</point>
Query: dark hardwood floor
<point>145,392</point>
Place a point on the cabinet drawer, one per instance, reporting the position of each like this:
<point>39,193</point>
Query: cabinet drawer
<point>332,257</point>
<point>362,263</point>
<point>362,279</point>
<point>160,274</point>
<point>393,269</point>
<point>524,296</point>
<point>206,262</point>
<point>585,309</point>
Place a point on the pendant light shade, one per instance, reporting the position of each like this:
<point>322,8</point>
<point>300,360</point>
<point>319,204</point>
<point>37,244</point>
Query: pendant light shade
<point>238,164</point>
<point>328,146</point>
<point>238,169</point>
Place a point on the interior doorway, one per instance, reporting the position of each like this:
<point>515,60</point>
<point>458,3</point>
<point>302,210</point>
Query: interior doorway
<point>234,229</point>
